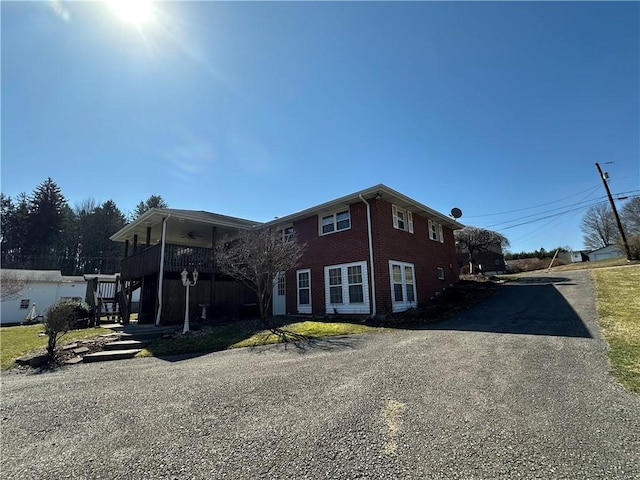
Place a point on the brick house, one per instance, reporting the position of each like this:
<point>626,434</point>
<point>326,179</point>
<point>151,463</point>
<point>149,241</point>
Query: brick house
<point>371,252</point>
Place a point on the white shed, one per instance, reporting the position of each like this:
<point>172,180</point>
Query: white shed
<point>41,288</point>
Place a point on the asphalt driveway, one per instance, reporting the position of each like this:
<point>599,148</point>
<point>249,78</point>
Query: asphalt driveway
<point>518,388</point>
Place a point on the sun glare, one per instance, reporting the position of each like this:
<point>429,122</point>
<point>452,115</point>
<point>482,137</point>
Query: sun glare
<point>132,11</point>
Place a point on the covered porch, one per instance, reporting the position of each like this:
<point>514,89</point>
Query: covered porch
<point>162,243</point>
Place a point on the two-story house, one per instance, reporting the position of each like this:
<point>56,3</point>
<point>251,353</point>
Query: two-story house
<point>371,252</point>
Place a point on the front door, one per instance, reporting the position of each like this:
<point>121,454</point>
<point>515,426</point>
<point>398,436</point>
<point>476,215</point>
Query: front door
<point>279,297</point>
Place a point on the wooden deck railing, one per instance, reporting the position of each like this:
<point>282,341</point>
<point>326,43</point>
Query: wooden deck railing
<point>176,258</point>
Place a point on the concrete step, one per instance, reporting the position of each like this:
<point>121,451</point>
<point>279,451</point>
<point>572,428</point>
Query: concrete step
<point>143,337</point>
<point>125,345</point>
<point>107,355</point>
<point>139,332</point>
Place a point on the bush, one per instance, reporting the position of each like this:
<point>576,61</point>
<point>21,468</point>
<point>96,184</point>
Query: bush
<point>64,316</point>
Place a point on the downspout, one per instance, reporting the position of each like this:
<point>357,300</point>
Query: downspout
<point>163,242</point>
<point>373,276</point>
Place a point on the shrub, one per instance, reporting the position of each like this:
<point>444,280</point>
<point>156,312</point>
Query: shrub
<point>60,318</point>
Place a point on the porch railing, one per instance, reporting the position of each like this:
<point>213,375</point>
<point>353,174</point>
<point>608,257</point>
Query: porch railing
<point>176,258</point>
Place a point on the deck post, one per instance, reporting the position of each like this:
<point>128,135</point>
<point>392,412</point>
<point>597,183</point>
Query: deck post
<point>161,274</point>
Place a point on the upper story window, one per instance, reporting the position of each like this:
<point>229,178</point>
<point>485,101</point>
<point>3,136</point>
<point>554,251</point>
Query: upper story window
<point>402,219</point>
<point>288,232</point>
<point>335,222</point>
<point>435,232</point>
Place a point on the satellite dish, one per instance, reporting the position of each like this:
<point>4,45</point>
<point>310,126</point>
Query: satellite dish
<point>456,213</point>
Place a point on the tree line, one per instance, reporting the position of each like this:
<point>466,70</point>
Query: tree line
<point>41,231</point>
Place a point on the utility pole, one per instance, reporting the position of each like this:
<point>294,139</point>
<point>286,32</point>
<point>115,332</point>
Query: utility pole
<point>604,176</point>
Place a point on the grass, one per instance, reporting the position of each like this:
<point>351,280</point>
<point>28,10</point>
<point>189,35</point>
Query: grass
<point>244,335</point>
<point>607,262</point>
<point>20,340</point>
<point>618,304</point>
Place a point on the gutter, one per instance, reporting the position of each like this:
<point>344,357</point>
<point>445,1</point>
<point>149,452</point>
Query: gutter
<point>373,277</point>
<point>161,274</point>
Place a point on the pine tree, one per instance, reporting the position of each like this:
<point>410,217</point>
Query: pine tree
<point>49,214</point>
<point>154,201</point>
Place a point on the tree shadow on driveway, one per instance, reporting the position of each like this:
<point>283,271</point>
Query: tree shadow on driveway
<point>532,306</point>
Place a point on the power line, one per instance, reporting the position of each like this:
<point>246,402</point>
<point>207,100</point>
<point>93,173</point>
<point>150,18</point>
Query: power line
<point>554,215</point>
<point>581,204</point>
<point>591,190</point>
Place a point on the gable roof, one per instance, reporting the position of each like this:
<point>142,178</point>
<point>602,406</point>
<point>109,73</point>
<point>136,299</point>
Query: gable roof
<point>49,276</point>
<point>201,220</point>
<point>377,191</point>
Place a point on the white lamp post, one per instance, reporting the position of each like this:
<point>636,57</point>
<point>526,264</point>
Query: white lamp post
<point>187,283</point>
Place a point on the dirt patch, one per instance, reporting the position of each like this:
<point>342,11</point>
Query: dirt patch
<point>38,361</point>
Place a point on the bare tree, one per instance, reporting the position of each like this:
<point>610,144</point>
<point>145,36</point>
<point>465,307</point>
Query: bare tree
<point>473,240</point>
<point>11,285</point>
<point>256,257</point>
<point>599,227</point>
<point>630,216</point>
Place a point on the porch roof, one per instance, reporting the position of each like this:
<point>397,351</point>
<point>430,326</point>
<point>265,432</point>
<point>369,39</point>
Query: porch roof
<point>183,226</point>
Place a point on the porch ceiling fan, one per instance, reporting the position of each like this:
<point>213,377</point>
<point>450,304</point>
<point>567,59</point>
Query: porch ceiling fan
<point>191,235</point>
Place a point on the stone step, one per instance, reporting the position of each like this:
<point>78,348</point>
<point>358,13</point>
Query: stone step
<point>125,345</point>
<point>107,355</point>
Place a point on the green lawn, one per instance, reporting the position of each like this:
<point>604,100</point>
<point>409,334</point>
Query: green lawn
<point>618,303</point>
<point>244,335</point>
<point>20,340</point>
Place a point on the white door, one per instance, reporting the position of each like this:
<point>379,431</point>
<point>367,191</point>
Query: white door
<point>279,297</point>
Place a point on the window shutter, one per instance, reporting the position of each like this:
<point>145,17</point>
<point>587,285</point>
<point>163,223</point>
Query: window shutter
<point>410,221</point>
<point>394,210</point>
<point>440,233</point>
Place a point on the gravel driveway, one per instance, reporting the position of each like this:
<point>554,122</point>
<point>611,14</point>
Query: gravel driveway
<point>517,388</point>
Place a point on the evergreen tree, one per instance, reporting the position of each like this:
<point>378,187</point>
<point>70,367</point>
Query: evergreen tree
<point>15,230</point>
<point>49,214</point>
<point>154,201</point>
<point>97,253</point>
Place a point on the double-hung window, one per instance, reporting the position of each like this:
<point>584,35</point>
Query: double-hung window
<point>304,290</point>
<point>335,286</point>
<point>288,232</point>
<point>335,222</point>
<point>346,288</point>
<point>403,285</point>
<point>435,232</point>
<point>402,219</point>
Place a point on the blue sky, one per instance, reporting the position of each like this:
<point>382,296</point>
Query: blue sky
<point>263,109</point>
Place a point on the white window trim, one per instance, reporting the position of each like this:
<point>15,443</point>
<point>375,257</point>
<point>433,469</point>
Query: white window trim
<point>346,307</point>
<point>439,231</point>
<point>408,218</point>
<point>403,305</point>
<point>335,221</point>
<point>303,308</point>
<point>440,271</point>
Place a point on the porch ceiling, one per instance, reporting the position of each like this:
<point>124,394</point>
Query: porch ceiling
<point>184,227</point>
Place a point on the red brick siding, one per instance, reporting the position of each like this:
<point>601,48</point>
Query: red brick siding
<point>335,248</point>
<point>417,248</point>
<point>388,244</point>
